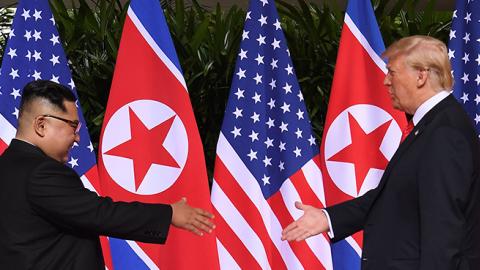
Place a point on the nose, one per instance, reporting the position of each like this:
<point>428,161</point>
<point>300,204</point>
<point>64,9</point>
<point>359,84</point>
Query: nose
<point>77,137</point>
<point>386,81</point>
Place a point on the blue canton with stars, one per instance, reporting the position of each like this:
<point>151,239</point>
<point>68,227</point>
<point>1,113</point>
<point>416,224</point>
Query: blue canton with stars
<point>34,52</point>
<point>266,120</point>
<point>464,54</point>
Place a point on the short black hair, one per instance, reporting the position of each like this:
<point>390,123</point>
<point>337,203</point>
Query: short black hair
<point>53,92</point>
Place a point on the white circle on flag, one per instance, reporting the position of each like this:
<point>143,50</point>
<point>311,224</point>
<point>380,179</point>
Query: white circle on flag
<point>118,130</point>
<point>369,117</point>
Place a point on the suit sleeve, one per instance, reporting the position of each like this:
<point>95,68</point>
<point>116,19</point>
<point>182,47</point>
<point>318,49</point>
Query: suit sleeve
<point>349,217</point>
<point>57,194</point>
<point>445,181</point>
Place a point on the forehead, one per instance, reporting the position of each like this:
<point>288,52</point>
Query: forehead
<point>396,62</point>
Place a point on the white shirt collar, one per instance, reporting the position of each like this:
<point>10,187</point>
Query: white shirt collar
<point>428,105</point>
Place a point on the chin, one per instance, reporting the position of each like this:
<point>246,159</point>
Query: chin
<point>395,105</point>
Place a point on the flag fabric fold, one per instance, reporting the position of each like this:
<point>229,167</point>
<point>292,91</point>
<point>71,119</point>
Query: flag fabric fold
<point>267,156</point>
<point>362,130</point>
<point>464,54</point>
<point>150,149</point>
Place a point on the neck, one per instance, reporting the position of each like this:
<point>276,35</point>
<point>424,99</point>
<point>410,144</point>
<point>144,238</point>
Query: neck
<point>24,138</point>
<point>422,97</point>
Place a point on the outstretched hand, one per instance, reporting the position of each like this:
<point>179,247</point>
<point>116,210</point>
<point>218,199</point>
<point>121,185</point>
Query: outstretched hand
<point>313,222</point>
<point>195,220</point>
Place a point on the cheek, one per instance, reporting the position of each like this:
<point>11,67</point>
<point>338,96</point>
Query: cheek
<point>65,138</point>
<point>392,91</point>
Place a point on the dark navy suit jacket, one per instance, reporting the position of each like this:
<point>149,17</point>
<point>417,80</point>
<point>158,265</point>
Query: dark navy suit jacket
<point>424,214</point>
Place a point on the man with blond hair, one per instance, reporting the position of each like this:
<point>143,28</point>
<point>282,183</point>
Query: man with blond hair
<point>424,214</point>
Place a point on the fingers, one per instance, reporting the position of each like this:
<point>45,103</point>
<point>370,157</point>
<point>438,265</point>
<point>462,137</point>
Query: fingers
<point>296,234</point>
<point>303,236</point>
<point>292,231</point>
<point>312,222</point>
<point>203,213</point>
<point>199,224</point>
<point>288,229</point>
<point>202,221</point>
<point>205,222</point>
<point>204,226</point>
<point>195,220</point>
<point>193,229</point>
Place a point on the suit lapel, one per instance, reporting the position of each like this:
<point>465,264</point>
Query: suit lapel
<point>412,137</point>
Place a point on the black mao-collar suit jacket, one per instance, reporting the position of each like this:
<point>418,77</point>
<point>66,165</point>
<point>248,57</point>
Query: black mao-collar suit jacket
<point>50,221</point>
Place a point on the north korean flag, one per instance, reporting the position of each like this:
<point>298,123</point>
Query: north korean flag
<point>362,130</point>
<point>150,149</point>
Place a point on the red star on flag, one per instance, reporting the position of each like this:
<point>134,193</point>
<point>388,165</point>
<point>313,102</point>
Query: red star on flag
<point>364,151</point>
<point>143,157</point>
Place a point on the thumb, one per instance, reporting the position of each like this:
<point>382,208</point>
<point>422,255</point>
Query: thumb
<point>299,205</point>
<point>183,200</point>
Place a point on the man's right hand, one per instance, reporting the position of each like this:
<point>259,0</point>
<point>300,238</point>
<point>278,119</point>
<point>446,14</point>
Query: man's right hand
<point>191,219</point>
<point>313,222</point>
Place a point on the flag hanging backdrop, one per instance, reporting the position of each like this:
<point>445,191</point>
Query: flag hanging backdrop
<point>362,131</point>
<point>267,156</point>
<point>464,54</point>
<point>150,149</point>
<point>34,51</point>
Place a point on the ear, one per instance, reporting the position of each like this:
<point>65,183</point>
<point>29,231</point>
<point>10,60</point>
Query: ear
<point>39,125</point>
<point>422,77</point>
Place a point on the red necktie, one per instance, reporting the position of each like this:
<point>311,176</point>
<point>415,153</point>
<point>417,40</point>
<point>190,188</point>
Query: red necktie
<point>407,129</point>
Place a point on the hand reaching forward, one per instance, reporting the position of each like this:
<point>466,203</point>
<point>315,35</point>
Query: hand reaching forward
<point>313,222</point>
<point>191,219</point>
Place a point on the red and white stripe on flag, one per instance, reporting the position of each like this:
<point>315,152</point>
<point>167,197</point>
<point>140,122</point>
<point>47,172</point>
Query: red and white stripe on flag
<point>7,133</point>
<point>249,226</point>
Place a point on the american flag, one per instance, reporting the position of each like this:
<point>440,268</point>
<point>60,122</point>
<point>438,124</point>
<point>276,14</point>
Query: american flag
<point>34,51</point>
<point>267,156</point>
<point>464,54</point>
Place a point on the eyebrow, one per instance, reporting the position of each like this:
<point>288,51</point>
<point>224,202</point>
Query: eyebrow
<point>390,69</point>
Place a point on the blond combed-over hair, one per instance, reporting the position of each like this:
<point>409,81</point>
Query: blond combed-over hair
<point>424,53</point>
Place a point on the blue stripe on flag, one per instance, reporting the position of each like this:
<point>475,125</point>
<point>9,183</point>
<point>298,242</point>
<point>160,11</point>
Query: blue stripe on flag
<point>344,257</point>
<point>361,13</point>
<point>152,20</point>
<point>128,260</point>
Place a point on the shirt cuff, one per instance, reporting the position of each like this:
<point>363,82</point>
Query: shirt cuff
<point>330,231</point>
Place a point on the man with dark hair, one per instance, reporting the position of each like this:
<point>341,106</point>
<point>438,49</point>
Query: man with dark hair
<point>50,221</point>
<point>425,212</point>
